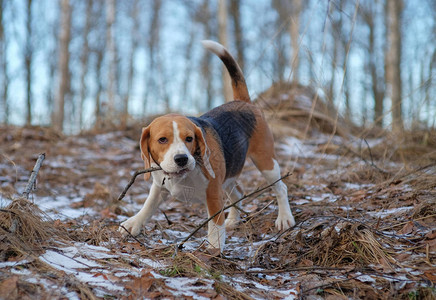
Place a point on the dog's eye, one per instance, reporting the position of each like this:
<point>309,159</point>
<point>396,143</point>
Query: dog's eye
<point>189,139</point>
<point>163,140</point>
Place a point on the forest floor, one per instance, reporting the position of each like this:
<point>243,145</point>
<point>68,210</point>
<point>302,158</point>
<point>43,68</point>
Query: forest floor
<point>365,224</point>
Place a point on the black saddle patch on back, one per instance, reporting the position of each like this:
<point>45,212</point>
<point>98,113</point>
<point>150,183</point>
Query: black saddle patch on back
<point>233,123</point>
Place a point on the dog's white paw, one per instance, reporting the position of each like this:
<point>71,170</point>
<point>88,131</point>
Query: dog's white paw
<point>216,235</point>
<point>285,221</point>
<point>231,223</point>
<point>133,225</point>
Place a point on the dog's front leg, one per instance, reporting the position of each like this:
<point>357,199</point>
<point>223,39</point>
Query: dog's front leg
<point>134,224</point>
<point>216,228</point>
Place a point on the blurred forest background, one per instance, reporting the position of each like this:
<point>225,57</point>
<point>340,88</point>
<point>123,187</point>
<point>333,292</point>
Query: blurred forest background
<point>76,64</point>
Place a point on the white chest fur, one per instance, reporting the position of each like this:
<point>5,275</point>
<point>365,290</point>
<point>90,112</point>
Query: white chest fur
<point>191,187</point>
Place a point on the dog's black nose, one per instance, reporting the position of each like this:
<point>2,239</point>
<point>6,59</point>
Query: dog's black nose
<point>181,159</point>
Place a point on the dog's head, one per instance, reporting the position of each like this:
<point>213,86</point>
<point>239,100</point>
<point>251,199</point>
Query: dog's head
<point>173,142</point>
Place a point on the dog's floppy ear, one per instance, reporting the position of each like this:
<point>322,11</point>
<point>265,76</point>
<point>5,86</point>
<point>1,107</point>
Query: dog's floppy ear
<point>143,144</point>
<point>205,152</point>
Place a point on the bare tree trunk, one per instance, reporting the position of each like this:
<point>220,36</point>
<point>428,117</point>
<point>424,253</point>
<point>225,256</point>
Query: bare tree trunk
<point>294,32</point>
<point>394,10</point>
<point>188,68</point>
<point>153,44</point>
<point>334,63</point>
<point>204,16</point>
<point>346,46</point>
<point>84,61</point>
<point>4,67</point>
<point>131,72</point>
<point>337,42</point>
<point>51,90</point>
<point>112,56</point>
<point>429,85</point>
<point>64,58</point>
<point>235,12</point>
<point>99,79</point>
<point>377,91</point>
<point>28,63</point>
<point>222,38</point>
<point>368,13</point>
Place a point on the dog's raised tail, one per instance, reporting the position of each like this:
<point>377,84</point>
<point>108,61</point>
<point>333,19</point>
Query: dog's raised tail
<point>240,91</point>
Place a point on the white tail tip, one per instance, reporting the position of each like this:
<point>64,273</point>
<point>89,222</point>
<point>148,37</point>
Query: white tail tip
<point>215,47</point>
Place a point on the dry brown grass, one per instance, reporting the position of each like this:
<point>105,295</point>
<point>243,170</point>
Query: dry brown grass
<point>25,230</point>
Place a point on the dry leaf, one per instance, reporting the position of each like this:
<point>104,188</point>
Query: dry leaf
<point>402,257</point>
<point>8,288</point>
<point>407,228</point>
<point>100,275</point>
<point>430,276</point>
<point>141,285</point>
<point>106,213</point>
<point>431,235</point>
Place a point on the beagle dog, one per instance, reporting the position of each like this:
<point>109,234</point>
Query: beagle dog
<point>201,157</point>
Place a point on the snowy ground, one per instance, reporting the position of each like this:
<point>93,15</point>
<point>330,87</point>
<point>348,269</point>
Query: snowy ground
<point>329,193</point>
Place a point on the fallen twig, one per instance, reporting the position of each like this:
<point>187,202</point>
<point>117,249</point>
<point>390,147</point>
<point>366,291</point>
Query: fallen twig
<point>133,237</point>
<point>258,190</point>
<point>32,179</point>
<point>132,180</point>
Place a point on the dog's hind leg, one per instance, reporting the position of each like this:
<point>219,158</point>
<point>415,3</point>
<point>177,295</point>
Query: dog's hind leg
<point>285,219</point>
<point>261,151</point>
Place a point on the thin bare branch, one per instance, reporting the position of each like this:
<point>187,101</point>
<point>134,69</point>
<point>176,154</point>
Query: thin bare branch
<point>258,190</point>
<point>32,179</point>
<point>132,180</point>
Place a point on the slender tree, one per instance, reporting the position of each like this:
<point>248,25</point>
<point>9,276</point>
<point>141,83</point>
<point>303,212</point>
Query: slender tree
<point>84,58</point>
<point>394,9</point>
<point>152,46</point>
<point>99,79</point>
<point>3,66</point>
<point>112,56</point>
<point>188,67</point>
<point>97,47</point>
<point>369,13</point>
<point>337,36</point>
<point>53,51</point>
<point>28,56</point>
<point>288,12</point>
<point>294,33</point>
<point>63,65</point>
<point>235,12</point>
<point>203,16</point>
<point>134,14</point>
<point>223,39</point>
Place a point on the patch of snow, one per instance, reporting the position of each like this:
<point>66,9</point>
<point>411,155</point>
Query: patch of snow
<point>13,263</point>
<point>95,252</point>
<point>356,186</point>
<point>4,202</point>
<point>364,278</point>
<point>21,272</point>
<point>152,263</point>
<point>187,287</point>
<point>176,235</point>
<point>65,261</point>
<point>300,202</point>
<point>392,211</point>
<point>238,283</point>
<point>58,207</point>
<point>68,260</point>
<point>346,208</point>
